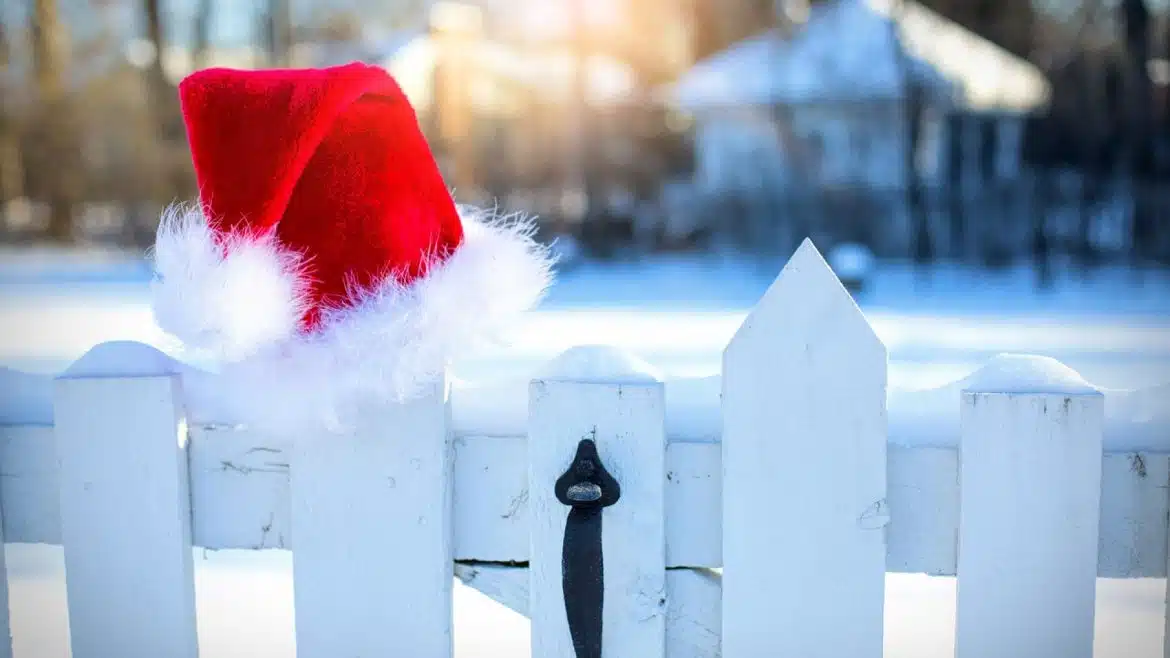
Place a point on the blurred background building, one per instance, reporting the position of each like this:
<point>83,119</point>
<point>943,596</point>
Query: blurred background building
<point>985,132</point>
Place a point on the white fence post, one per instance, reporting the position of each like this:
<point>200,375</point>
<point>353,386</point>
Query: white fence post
<point>5,623</point>
<point>125,508</point>
<point>372,535</point>
<point>603,395</point>
<point>1030,474</point>
<point>1166,623</point>
<point>804,473</point>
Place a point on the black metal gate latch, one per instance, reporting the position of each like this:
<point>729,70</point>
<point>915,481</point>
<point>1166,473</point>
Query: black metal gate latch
<point>587,488</point>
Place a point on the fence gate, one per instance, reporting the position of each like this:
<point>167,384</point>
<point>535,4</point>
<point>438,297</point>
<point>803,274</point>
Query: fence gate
<point>611,522</point>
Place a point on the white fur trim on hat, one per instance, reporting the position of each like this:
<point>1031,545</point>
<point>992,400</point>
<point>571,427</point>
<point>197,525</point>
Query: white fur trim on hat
<point>225,298</point>
<point>389,344</point>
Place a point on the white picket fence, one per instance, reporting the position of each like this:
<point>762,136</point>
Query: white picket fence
<point>771,538</point>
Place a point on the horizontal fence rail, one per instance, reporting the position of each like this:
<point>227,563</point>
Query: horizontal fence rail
<point>240,500</point>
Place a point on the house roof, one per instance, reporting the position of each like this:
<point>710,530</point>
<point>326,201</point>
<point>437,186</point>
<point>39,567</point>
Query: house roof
<point>850,50</point>
<point>986,76</point>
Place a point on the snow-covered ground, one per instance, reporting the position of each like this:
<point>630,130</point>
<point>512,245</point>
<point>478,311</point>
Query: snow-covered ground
<point>677,314</point>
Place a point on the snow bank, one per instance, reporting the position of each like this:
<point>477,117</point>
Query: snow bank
<point>25,399</point>
<point>1135,420</point>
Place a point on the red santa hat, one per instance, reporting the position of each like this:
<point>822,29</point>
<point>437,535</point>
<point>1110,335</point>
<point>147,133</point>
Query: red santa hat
<point>327,265</point>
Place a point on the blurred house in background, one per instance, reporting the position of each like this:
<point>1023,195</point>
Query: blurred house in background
<point>967,130</point>
<point>822,127</point>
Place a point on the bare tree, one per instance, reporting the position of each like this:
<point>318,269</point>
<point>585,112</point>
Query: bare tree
<point>204,12</point>
<point>913,104</point>
<point>55,130</point>
<point>277,23</point>
<point>11,172</point>
<point>160,89</point>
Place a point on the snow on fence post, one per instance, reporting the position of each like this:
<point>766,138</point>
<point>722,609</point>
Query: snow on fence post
<point>804,473</point>
<point>1030,473</point>
<point>372,534</point>
<point>610,397</point>
<point>121,442</point>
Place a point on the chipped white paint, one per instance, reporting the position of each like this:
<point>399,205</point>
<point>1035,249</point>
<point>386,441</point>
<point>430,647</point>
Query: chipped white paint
<point>125,517</point>
<point>243,472</point>
<point>371,517</point>
<point>626,420</point>
<point>1028,523</point>
<point>1133,495</point>
<point>804,463</point>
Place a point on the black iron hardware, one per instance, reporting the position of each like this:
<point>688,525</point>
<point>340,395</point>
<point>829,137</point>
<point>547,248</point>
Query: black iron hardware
<point>587,488</point>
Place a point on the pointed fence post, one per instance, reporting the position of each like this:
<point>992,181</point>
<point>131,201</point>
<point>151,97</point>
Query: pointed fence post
<point>372,533</point>
<point>1030,474</point>
<point>125,505</point>
<point>804,473</point>
<point>609,398</point>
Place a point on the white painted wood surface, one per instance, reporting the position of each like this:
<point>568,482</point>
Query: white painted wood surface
<point>5,621</point>
<point>626,420</point>
<point>694,505</point>
<point>694,619</point>
<point>922,489</point>
<point>1029,524</point>
<point>244,503</point>
<point>371,517</point>
<point>491,499</point>
<point>125,517</point>
<point>804,464</point>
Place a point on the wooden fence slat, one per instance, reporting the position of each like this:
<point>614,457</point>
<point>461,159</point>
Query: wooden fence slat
<point>5,621</point>
<point>1166,623</point>
<point>371,520</point>
<point>626,419</point>
<point>1030,496</point>
<point>804,473</point>
<point>125,516</point>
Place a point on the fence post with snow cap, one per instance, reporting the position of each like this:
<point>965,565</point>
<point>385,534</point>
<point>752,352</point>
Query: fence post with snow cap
<point>593,395</point>
<point>804,464</point>
<point>1030,466</point>
<point>121,439</point>
<point>372,530</point>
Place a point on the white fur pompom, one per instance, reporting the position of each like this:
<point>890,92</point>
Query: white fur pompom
<point>392,342</point>
<point>230,297</point>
